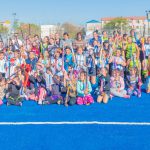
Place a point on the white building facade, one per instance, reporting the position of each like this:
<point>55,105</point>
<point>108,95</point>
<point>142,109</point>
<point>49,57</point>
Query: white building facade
<point>47,30</point>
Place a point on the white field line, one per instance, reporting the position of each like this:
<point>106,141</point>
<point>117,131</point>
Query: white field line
<point>78,123</point>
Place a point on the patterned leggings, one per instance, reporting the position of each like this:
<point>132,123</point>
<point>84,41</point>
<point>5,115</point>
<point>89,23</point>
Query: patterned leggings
<point>135,91</point>
<point>88,99</point>
<point>41,93</point>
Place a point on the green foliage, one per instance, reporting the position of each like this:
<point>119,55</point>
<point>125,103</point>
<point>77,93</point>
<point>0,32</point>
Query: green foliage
<point>3,29</point>
<point>26,29</point>
<point>117,23</point>
<point>72,29</point>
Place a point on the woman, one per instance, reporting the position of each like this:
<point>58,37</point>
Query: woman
<point>79,42</point>
<point>131,49</point>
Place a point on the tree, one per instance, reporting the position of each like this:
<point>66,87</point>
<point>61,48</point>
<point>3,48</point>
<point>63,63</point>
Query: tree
<point>3,29</point>
<point>117,23</point>
<point>72,29</point>
<point>28,29</point>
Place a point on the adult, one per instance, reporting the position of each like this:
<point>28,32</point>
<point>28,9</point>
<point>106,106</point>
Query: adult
<point>95,37</point>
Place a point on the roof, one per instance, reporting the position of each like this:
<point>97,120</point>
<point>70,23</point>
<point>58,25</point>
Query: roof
<point>128,18</point>
<point>93,21</point>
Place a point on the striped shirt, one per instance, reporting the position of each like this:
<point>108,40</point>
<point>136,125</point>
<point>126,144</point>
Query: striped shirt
<point>80,60</point>
<point>78,43</point>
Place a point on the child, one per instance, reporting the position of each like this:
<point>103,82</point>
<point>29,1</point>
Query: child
<point>44,44</point>
<point>134,83</point>
<point>83,90</point>
<point>131,48</point>
<point>18,60</point>
<point>45,59</point>
<point>35,48</point>
<point>148,77</point>
<point>57,63</point>
<point>134,62</point>
<point>2,64</point>
<point>143,60</point>
<point>41,85</point>
<point>37,81</point>
<point>49,80</point>
<point>55,97</point>
<point>80,60</point>
<point>90,62</point>
<point>103,90</point>
<point>102,61</point>
<point>68,59</point>
<point>71,89</point>
<point>117,85</point>
<point>32,60</point>
<point>118,62</point>
<point>2,88</point>
<point>13,92</point>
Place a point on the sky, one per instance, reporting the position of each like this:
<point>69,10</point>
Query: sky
<point>75,11</point>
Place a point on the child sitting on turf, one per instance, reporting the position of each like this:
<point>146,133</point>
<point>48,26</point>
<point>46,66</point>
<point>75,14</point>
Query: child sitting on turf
<point>37,87</point>
<point>83,90</point>
<point>13,92</point>
<point>103,90</point>
<point>134,83</point>
<point>2,88</point>
<point>71,89</point>
<point>117,85</point>
<point>49,80</point>
<point>55,97</point>
<point>40,83</point>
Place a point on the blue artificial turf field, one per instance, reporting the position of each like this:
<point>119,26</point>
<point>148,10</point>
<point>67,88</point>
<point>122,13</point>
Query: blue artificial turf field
<point>80,136</point>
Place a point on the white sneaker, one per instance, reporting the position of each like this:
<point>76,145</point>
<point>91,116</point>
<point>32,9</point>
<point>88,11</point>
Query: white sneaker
<point>40,102</point>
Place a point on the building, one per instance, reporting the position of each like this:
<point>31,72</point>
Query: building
<point>93,25</point>
<point>136,22</point>
<point>47,30</point>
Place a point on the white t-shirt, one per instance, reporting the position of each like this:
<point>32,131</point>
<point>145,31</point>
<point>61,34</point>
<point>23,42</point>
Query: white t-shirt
<point>18,41</point>
<point>147,49</point>
<point>2,66</point>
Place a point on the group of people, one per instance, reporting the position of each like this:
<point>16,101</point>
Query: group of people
<point>56,70</point>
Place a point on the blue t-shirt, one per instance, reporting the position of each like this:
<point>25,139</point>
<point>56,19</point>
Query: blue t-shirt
<point>91,41</point>
<point>69,63</point>
<point>32,63</point>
